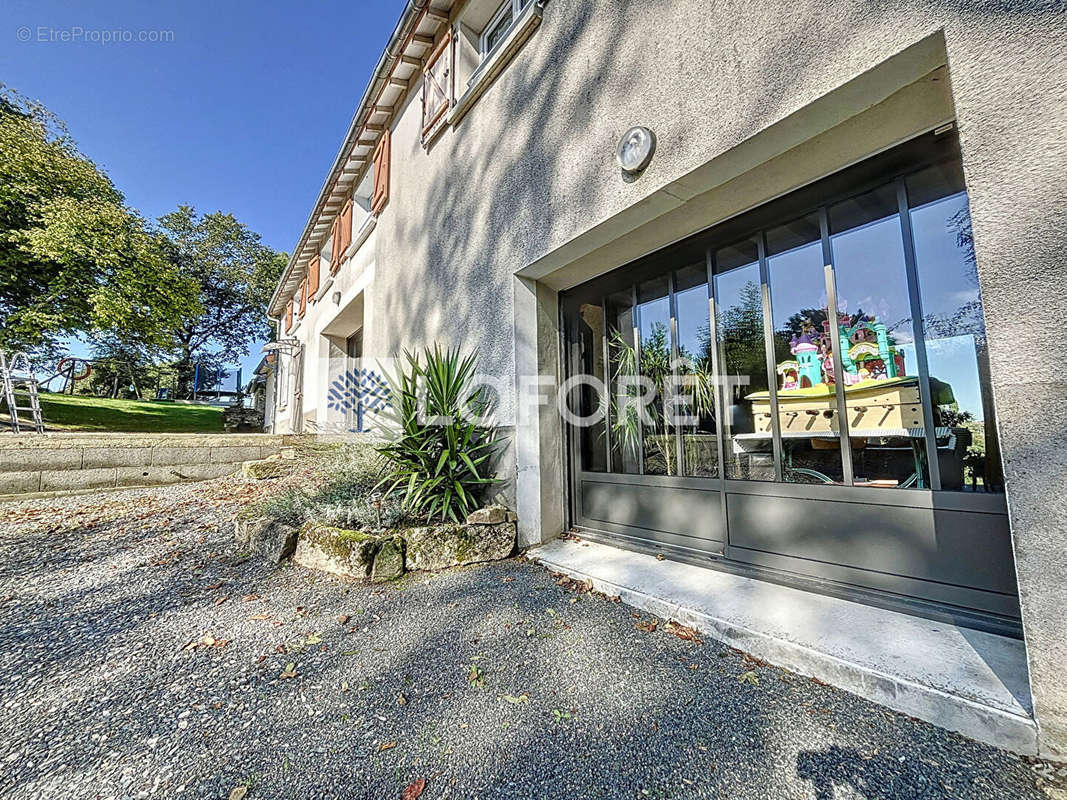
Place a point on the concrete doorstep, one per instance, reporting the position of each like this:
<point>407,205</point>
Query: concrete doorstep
<point>964,680</point>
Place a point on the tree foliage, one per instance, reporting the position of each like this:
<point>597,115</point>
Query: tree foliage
<point>234,274</point>
<point>73,257</point>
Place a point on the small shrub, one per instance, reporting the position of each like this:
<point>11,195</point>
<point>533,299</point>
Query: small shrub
<point>338,491</point>
<point>440,461</point>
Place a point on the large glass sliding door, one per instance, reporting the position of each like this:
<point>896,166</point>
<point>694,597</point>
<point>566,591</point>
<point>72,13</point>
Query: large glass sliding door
<point>805,389</point>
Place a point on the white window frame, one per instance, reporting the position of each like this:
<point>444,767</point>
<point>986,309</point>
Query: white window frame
<point>516,7</point>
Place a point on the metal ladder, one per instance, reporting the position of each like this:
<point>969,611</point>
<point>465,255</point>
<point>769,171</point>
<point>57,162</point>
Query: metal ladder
<point>12,376</point>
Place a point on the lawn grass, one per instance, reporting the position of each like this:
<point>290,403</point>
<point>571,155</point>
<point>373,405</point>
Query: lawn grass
<point>64,412</point>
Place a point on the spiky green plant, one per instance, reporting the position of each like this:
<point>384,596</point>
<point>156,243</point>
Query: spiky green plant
<point>440,460</point>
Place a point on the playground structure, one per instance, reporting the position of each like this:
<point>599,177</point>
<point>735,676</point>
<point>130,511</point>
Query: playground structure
<point>206,384</point>
<point>70,370</point>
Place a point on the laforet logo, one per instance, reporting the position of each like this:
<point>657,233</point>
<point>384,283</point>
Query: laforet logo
<point>360,391</point>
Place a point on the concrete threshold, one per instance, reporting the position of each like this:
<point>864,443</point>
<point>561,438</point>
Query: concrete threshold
<point>967,681</point>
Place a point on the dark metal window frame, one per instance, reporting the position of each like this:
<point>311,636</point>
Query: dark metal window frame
<point>891,167</point>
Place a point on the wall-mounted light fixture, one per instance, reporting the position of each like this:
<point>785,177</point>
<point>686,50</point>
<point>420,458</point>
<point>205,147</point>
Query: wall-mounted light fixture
<point>636,149</point>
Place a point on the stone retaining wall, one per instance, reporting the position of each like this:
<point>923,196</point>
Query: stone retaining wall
<point>67,462</point>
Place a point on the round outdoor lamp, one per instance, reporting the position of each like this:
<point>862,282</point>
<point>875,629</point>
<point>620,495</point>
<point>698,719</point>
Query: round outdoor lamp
<point>636,149</point>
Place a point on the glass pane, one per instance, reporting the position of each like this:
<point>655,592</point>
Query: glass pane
<point>696,404</point>
<point>885,419</point>
<point>625,430</point>
<point>739,311</point>
<point>807,401</point>
<point>954,330</point>
<point>592,439</point>
<point>654,319</point>
<point>499,30</point>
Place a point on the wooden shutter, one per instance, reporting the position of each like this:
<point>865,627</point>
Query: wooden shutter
<point>313,276</point>
<point>381,175</point>
<point>289,316</point>
<point>437,86</point>
<point>303,296</point>
<point>346,225</point>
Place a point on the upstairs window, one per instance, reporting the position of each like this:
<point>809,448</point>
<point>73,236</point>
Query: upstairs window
<point>381,175</point>
<point>438,86</point>
<point>500,24</point>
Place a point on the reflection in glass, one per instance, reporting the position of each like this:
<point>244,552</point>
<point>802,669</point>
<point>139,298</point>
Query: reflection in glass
<point>625,426</point>
<point>654,321</point>
<point>744,363</point>
<point>807,402</point>
<point>696,384</point>
<point>954,330</point>
<point>591,354</point>
<point>885,417</point>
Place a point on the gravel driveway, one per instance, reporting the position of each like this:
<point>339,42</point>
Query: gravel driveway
<point>142,656</point>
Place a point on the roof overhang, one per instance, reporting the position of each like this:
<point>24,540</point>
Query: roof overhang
<point>396,73</point>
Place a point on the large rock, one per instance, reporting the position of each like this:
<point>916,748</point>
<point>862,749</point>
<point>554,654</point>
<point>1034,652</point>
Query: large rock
<point>274,542</point>
<point>388,561</point>
<point>248,524</point>
<point>261,469</point>
<point>342,552</point>
<point>442,546</point>
<point>490,515</point>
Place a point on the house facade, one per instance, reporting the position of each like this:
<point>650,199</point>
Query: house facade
<point>846,219</point>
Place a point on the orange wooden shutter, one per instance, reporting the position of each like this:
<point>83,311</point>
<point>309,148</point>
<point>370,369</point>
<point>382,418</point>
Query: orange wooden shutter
<point>303,296</point>
<point>289,316</point>
<point>313,276</point>
<point>346,225</point>
<point>381,175</point>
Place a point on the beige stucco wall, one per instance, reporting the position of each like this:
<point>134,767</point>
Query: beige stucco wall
<point>748,100</point>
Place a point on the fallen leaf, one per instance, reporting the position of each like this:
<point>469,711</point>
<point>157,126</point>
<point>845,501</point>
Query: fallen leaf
<point>343,619</point>
<point>221,600</point>
<point>260,616</point>
<point>413,790</point>
<point>510,698</point>
<point>248,598</point>
<point>647,625</point>
<point>289,671</point>
<point>661,557</point>
<point>748,677</point>
<point>386,746</point>
<point>207,640</point>
<point>682,632</point>
<point>313,639</point>
<point>212,588</point>
<point>238,793</point>
<point>401,699</point>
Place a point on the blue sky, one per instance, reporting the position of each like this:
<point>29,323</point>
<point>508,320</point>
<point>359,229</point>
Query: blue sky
<point>242,111</point>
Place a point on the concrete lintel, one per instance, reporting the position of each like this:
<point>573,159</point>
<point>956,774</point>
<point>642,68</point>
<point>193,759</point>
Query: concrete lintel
<point>967,681</point>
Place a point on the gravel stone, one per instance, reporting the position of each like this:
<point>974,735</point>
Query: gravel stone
<point>143,654</point>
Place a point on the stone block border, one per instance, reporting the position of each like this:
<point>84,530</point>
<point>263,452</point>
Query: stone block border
<point>55,464</point>
<point>381,555</point>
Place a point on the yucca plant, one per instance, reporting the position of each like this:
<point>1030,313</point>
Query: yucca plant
<point>439,461</point>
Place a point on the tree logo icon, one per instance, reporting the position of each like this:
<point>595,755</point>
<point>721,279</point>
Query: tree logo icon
<point>359,391</point>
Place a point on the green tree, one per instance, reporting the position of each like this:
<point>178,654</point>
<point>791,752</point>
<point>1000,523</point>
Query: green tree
<point>73,257</point>
<point>235,274</point>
